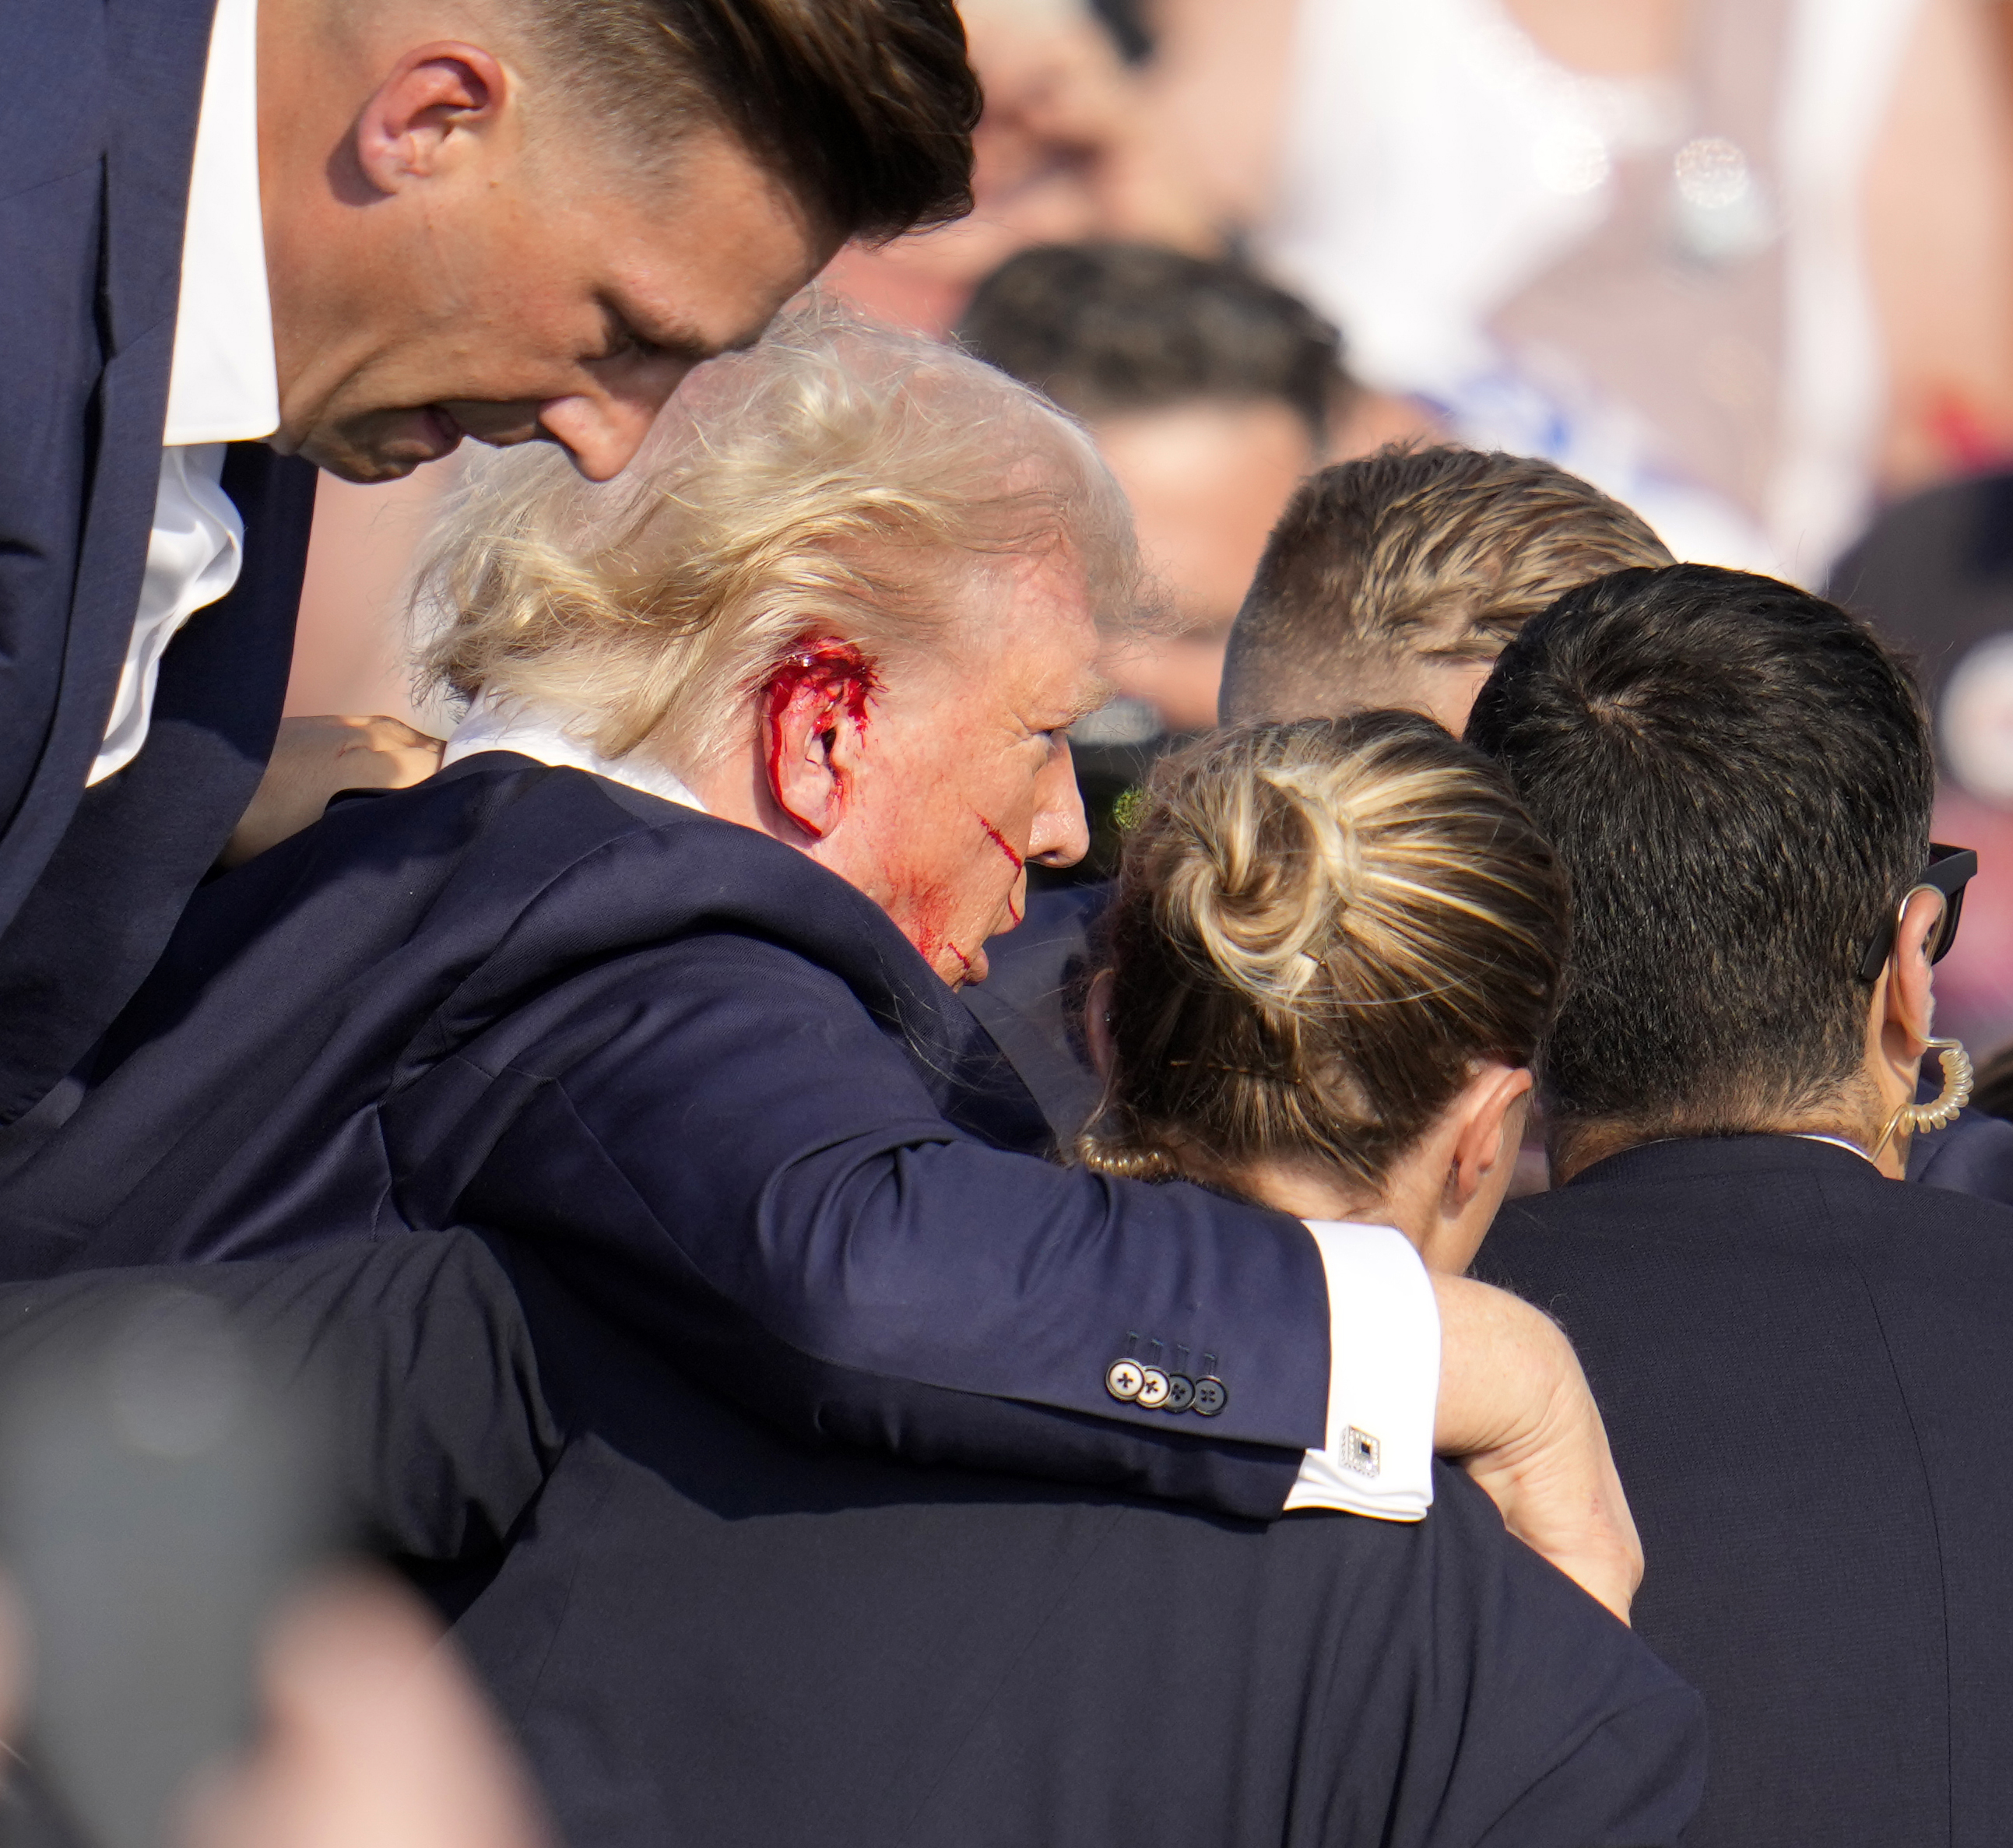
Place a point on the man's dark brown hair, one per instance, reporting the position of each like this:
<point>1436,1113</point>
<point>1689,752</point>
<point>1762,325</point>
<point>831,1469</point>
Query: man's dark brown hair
<point>1737,777</point>
<point>1412,552</point>
<point>1107,328</point>
<point>864,109</point>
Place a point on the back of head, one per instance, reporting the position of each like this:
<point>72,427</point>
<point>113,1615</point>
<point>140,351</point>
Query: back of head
<point>1737,778</point>
<point>827,483</point>
<point>864,107</point>
<point>1411,554</point>
<point>1319,928</point>
<point>1105,329</point>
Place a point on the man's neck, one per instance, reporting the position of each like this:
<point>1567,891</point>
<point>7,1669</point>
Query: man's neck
<point>1576,1147</point>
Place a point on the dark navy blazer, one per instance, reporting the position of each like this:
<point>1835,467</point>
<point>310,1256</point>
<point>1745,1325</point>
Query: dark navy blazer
<point>704,1634</point>
<point>1806,1373</point>
<point>721,1093</point>
<point>95,140</point>
<point>414,1353</point>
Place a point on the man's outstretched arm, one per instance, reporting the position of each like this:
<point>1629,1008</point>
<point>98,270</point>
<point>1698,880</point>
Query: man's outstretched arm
<point>716,1143</point>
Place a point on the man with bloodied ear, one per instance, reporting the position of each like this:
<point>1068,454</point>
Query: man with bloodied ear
<point>252,239</point>
<point>654,984</point>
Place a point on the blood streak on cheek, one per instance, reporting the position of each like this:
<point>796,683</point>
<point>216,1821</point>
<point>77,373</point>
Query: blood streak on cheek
<point>999,841</point>
<point>1017,861</point>
<point>835,677</point>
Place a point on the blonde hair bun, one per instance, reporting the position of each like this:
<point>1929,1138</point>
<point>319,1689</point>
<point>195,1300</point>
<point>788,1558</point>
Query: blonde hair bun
<point>1319,928</point>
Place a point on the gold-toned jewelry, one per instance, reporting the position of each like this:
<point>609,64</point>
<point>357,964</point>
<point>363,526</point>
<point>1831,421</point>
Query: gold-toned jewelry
<point>1921,1119</point>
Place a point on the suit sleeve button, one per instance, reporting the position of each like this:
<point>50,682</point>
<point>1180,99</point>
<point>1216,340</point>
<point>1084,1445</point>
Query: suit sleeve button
<point>1153,1388</point>
<point>1211,1396</point>
<point>1181,1392</point>
<point>1123,1379</point>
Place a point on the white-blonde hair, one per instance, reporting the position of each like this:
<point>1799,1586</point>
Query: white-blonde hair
<point>838,479</point>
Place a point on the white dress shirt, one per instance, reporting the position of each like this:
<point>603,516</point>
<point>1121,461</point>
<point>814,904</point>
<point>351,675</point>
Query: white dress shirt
<point>1384,1324</point>
<point>223,382</point>
<point>511,725</point>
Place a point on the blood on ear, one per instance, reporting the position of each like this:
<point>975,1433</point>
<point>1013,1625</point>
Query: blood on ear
<point>823,682</point>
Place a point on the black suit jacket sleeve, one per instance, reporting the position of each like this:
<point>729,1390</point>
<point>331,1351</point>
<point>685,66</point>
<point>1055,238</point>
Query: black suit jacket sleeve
<point>439,1436</point>
<point>715,1141</point>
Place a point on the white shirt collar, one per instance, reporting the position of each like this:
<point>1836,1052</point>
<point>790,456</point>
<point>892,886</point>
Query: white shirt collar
<point>223,384</point>
<point>1837,1141</point>
<point>510,725</point>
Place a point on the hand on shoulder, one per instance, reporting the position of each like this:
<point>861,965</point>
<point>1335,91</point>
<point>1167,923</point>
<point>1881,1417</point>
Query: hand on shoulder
<point>314,759</point>
<point>1516,1413</point>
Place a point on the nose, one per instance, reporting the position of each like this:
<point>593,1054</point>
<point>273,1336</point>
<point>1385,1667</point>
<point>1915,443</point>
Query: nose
<point>1061,835</point>
<point>603,435</point>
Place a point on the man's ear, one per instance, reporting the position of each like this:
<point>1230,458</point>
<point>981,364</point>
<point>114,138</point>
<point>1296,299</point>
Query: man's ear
<point>408,128</point>
<point>815,715</point>
<point>1097,1024</point>
<point>1910,1005</point>
<point>1493,1107</point>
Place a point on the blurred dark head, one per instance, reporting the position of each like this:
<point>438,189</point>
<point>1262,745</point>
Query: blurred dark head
<point>1210,393</point>
<point>1105,329</point>
<point>1396,578</point>
<point>1737,778</point>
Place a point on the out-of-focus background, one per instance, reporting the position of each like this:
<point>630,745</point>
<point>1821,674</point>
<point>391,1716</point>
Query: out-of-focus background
<point>1746,264</point>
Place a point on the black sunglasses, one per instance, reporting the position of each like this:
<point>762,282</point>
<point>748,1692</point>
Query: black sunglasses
<point>1950,869</point>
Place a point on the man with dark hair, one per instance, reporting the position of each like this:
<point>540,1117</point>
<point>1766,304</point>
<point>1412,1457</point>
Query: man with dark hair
<point>1396,579</point>
<point>255,234</point>
<point>1803,1365</point>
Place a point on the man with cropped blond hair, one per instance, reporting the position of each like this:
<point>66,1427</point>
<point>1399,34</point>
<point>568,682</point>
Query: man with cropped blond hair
<point>1396,580</point>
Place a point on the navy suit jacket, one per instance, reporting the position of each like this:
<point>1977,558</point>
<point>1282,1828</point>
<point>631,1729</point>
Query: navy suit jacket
<point>95,142</point>
<point>720,1091</point>
<point>704,1634</point>
<point>413,1354</point>
<point>1806,1373</point>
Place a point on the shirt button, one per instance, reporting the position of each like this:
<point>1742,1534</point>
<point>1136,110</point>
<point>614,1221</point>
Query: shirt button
<point>1211,1396</point>
<point>1181,1392</point>
<point>1123,1379</point>
<point>1153,1388</point>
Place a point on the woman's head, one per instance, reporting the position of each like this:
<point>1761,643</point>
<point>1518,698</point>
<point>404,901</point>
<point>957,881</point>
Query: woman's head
<point>1333,938</point>
<point>850,592</point>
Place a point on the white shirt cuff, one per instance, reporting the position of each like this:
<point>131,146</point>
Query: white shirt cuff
<point>1384,1377</point>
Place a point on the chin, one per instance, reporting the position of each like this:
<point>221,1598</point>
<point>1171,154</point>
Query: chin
<point>383,445</point>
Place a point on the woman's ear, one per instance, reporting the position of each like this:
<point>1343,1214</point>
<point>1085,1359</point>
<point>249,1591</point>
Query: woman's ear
<point>1097,1024</point>
<point>1493,1108</point>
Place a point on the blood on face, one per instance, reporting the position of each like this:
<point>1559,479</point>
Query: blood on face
<point>1018,862</point>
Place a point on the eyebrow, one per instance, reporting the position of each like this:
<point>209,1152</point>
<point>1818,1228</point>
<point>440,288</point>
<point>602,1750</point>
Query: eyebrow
<point>680,341</point>
<point>1096,693</point>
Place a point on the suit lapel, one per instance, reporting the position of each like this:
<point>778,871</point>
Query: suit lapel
<point>157,50</point>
